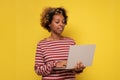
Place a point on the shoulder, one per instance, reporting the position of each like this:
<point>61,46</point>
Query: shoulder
<point>41,42</point>
<point>69,39</point>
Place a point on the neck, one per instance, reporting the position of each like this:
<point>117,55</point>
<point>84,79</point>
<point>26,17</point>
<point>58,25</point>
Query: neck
<point>55,37</point>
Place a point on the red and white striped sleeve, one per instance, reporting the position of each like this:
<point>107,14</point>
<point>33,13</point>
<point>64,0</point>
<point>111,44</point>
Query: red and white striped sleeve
<point>42,68</point>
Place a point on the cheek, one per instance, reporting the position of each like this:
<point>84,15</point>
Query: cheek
<point>54,25</point>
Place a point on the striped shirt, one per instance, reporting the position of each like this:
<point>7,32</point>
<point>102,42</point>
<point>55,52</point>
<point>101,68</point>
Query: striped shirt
<point>48,53</point>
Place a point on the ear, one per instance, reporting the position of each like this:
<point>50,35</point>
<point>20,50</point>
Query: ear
<point>49,25</point>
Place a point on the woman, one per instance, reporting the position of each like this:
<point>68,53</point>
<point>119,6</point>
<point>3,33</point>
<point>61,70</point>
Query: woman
<point>52,52</point>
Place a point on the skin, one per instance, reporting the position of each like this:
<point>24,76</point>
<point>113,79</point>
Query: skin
<point>57,27</point>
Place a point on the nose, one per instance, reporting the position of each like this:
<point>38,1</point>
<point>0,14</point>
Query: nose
<point>62,24</point>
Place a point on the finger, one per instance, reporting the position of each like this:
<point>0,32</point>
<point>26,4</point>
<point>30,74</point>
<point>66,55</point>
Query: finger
<point>64,66</point>
<point>78,65</point>
<point>75,68</point>
<point>84,67</point>
<point>80,62</point>
<point>65,62</point>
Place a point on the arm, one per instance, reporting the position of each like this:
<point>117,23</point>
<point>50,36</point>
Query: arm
<point>41,67</point>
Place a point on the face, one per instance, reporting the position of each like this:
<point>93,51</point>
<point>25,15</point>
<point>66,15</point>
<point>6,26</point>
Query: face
<point>57,24</point>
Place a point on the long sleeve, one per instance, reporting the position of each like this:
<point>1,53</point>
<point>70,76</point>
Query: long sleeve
<point>48,54</point>
<point>41,67</point>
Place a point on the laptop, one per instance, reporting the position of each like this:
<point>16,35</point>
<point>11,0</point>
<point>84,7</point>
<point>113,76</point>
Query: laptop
<point>77,53</point>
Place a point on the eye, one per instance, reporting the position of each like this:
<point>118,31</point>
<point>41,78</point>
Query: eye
<point>63,21</point>
<point>57,21</point>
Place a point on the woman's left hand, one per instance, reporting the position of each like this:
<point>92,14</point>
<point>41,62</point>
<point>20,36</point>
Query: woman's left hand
<point>79,67</point>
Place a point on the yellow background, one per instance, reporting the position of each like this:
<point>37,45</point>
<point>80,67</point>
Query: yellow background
<point>90,22</point>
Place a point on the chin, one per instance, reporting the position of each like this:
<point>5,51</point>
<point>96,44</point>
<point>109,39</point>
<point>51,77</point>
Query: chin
<point>59,33</point>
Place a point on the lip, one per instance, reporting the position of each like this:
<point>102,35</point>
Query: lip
<point>60,29</point>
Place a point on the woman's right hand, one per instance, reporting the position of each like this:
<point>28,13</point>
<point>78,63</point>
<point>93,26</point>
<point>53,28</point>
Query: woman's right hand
<point>61,64</point>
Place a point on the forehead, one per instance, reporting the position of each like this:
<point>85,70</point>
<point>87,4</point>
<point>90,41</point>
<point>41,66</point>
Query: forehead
<point>58,17</point>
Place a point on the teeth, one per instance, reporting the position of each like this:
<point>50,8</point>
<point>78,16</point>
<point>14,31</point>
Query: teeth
<point>60,29</point>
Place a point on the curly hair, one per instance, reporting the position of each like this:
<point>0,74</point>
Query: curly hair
<point>47,16</point>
